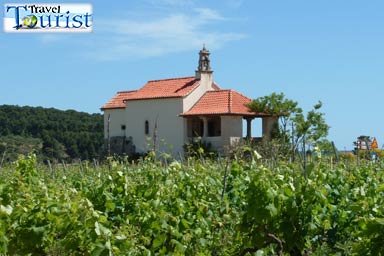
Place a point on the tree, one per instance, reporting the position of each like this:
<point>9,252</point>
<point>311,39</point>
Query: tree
<point>11,146</point>
<point>276,105</point>
<point>362,147</point>
<point>305,129</point>
<point>363,142</point>
<point>64,134</point>
<point>326,147</point>
<point>309,129</point>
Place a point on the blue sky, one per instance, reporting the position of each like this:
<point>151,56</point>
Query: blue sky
<point>325,50</point>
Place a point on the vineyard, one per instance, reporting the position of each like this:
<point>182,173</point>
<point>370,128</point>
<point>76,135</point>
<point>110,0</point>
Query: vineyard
<point>198,207</point>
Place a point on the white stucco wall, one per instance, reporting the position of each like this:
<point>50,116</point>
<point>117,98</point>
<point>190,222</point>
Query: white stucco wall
<point>116,120</point>
<point>205,85</point>
<point>170,126</point>
<point>231,126</point>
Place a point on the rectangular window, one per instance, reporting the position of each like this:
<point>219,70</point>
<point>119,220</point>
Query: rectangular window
<point>214,127</point>
<point>146,127</point>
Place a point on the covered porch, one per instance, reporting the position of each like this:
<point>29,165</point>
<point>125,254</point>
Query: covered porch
<point>224,131</point>
<point>217,118</point>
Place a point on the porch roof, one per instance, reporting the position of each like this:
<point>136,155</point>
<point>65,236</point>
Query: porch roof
<point>222,102</point>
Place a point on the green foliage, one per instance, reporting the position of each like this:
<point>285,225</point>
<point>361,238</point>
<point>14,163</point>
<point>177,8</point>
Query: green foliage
<point>306,129</point>
<point>274,105</point>
<point>12,146</point>
<point>311,127</point>
<point>56,134</point>
<point>325,147</point>
<point>332,211</point>
<point>186,209</point>
<point>199,148</point>
<point>127,210</point>
<point>347,157</point>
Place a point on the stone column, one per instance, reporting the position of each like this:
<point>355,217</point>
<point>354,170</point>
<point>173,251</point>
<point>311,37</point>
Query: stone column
<point>270,124</point>
<point>249,127</point>
<point>205,127</point>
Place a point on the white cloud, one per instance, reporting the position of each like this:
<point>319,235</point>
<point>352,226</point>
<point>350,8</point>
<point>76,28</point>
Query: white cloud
<point>175,32</point>
<point>207,14</point>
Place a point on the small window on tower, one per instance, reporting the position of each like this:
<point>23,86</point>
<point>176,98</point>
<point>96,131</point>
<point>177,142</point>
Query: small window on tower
<point>146,127</point>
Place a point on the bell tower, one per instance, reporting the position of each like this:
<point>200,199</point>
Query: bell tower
<point>204,66</point>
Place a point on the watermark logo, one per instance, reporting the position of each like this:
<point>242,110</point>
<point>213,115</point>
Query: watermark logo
<point>31,18</point>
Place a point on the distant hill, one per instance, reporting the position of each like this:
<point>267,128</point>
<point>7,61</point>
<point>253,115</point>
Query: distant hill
<point>53,133</point>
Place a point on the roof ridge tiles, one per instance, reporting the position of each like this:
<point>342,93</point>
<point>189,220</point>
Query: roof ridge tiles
<point>219,91</point>
<point>168,79</point>
<point>190,83</point>
<point>128,91</point>
<point>229,101</point>
<point>231,90</point>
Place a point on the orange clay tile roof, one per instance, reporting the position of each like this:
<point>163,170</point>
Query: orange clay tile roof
<point>117,101</point>
<point>167,88</point>
<point>223,102</point>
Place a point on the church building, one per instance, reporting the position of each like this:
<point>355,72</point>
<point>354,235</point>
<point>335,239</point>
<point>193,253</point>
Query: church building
<point>165,114</point>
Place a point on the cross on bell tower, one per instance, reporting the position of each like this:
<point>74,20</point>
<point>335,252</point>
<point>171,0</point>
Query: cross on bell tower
<point>204,63</point>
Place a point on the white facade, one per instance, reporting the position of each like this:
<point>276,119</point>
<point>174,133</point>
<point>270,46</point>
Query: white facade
<point>206,84</point>
<point>116,122</point>
<point>162,113</point>
<point>231,131</point>
<point>171,132</point>
<point>166,114</point>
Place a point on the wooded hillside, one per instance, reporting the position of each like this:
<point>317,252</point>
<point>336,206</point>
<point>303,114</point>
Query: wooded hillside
<point>52,133</point>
